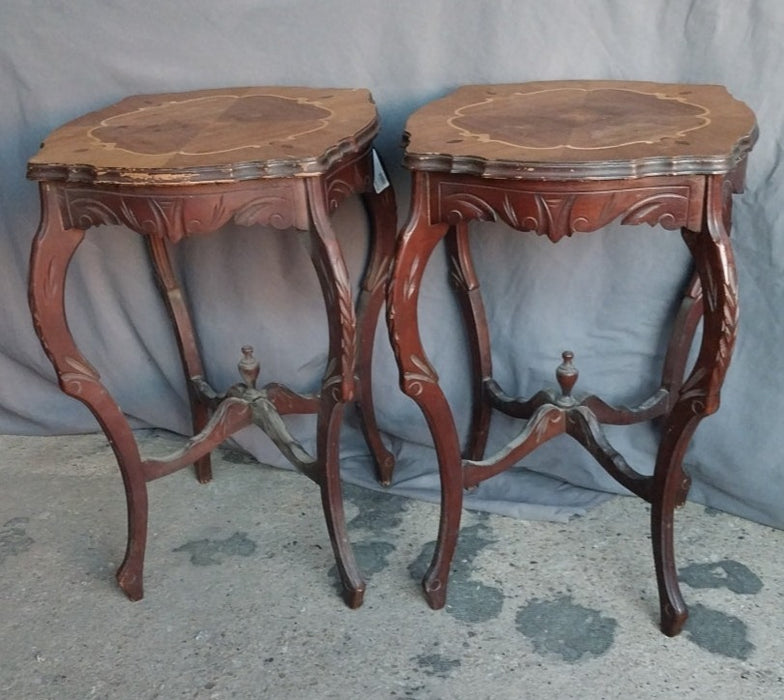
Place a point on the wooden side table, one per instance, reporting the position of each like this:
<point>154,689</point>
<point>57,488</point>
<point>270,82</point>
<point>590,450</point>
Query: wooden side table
<point>560,158</point>
<point>176,165</point>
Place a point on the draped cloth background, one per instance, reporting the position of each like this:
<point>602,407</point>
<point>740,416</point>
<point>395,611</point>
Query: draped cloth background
<point>606,296</point>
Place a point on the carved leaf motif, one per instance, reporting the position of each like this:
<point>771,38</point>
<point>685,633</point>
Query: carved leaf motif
<point>337,191</point>
<point>412,281</point>
<point>337,292</point>
<point>729,324</point>
<point>378,274</point>
<point>219,215</point>
<point>275,211</point>
<point>414,379</point>
<point>510,214</point>
<point>156,222</point>
<point>666,210</point>
<point>555,216</point>
<point>88,212</point>
<point>694,390</point>
<point>457,273</point>
<point>467,206</point>
<point>80,368</point>
<point>332,379</point>
<point>174,216</point>
<point>424,366</point>
<point>83,374</point>
<point>348,325</point>
<point>710,290</point>
<point>542,426</point>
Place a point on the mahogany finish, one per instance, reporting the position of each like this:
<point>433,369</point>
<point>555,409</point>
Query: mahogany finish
<point>184,164</point>
<point>559,158</point>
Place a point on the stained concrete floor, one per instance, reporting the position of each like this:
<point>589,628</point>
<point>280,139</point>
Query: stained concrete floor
<point>240,597</point>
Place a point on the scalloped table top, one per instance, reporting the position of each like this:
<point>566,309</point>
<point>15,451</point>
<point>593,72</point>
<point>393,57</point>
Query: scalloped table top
<point>221,135</point>
<point>581,130</point>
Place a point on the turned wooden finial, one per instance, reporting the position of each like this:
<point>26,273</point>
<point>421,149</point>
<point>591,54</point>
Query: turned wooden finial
<point>566,374</point>
<point>248,367</point>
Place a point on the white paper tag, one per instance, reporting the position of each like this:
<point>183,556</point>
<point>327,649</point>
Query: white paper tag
<point>380,179</point>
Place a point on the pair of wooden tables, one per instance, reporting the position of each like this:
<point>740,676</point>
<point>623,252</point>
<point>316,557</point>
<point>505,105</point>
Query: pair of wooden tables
<point>552,158</point>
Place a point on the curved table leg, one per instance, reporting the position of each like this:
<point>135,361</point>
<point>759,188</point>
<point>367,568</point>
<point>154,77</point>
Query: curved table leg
<point>699,395</point>
<point>472,307</point>
<point>419,381</point>
<point>670,487</point>
<point>682,337</point>
<point>53,248</point>
<point>337,386</point>
<point>383,218</point>
<point>173,298</point>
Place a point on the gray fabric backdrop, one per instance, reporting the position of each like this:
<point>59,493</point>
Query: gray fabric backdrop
<point>606,296</point>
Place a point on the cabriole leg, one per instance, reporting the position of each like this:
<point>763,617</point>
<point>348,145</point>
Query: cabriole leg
<point>469,296</point>
<point>383,217</point>
<point>337,386</point>
<point>419,381</point>
<point>682,337</point>
<point>53,248</point>
<point>699,394</point>
<point>177,307</point>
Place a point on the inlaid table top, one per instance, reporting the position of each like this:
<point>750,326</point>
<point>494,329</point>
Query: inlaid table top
<point>581,129</point>
<point>221,135</point>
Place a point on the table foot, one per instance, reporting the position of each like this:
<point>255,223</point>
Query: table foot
<point>670,488</point>
<point>672,606</point>
<point>353,598</point>
<point>435,590</point>
<point>130,579</point>
<point>672,620</point>
<point>328,449</point>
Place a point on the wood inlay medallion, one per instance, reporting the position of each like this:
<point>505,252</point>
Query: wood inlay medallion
<point>590,119</point>
<point>210,125</point>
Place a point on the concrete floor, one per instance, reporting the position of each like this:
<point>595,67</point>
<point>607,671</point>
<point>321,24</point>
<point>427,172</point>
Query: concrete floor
<point>240,598</point>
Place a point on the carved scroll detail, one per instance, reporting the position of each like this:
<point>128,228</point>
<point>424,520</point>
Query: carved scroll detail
<point>176,215</point>
<point>462,267</point>
<point>352,178</point>
<point>332,380</point>
<point>423,373</point>
<point>468,207</point>
<point>656,210</point>
<point>557,214</point>
<point>273,210</point>
<point>80,373</point>
<point>340,296</point>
